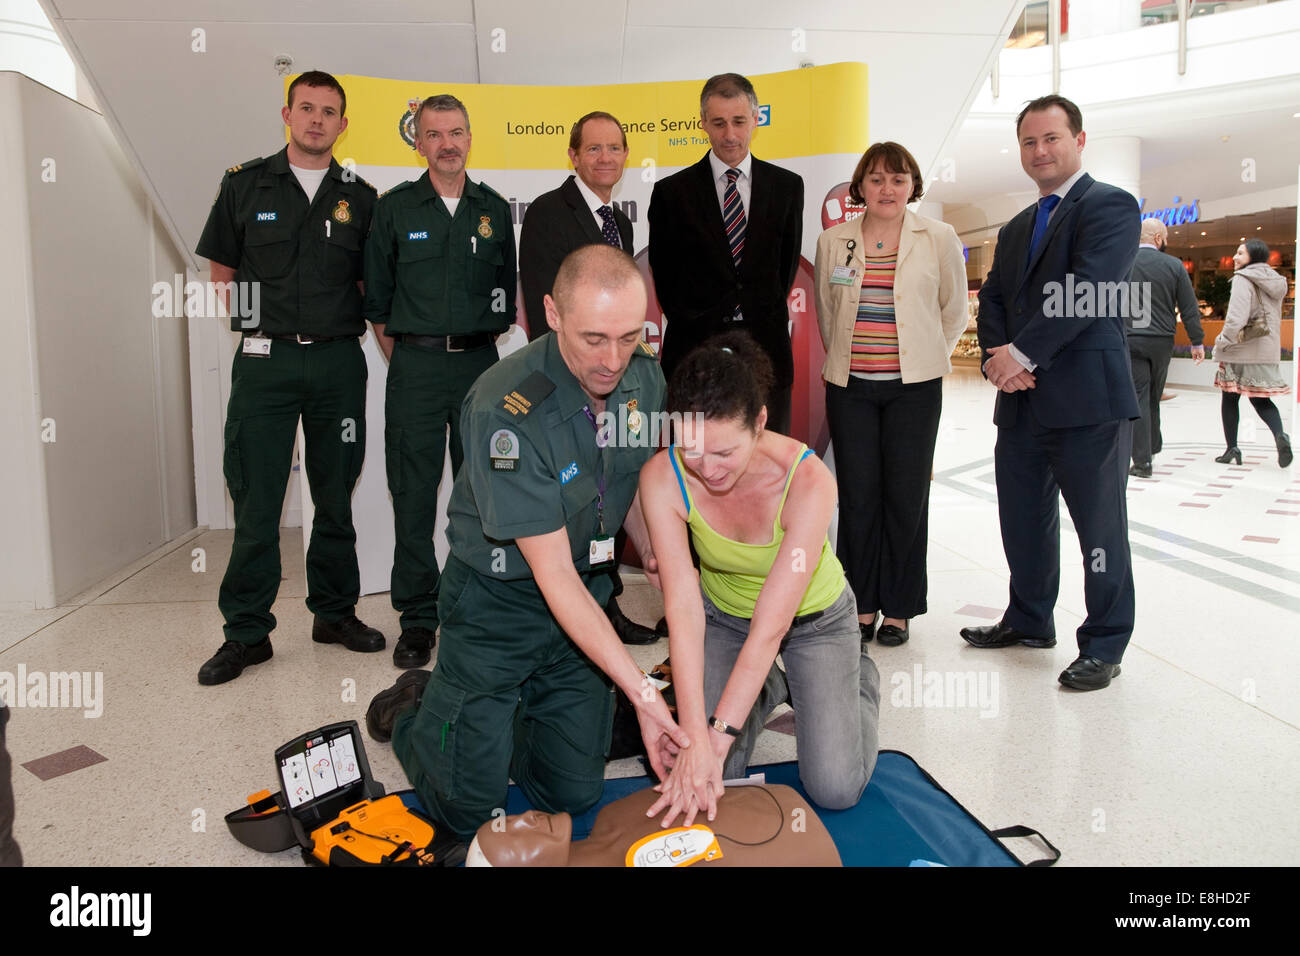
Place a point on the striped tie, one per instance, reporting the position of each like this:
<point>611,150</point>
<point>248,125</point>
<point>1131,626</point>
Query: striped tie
<point>733,216</point>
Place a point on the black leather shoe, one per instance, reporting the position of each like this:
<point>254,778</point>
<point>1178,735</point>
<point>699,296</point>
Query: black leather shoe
<point>413,648</point>
<point>628,631</point>
<point>868,631</point>
<point>999,635</point>
<point>1139,471</point>
<point>229,662</point>
<point>387,705</point>
<point>1088,673</point>
<point>1284,453</point>
<point>349,632</point>
<point>890,635</point>
<point>661,627</point>
<point>1232,455</point>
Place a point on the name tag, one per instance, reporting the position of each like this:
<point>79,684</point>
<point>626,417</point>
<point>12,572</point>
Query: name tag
<point>843,275</point>
<point>601,552</point>
<point>257,346</point>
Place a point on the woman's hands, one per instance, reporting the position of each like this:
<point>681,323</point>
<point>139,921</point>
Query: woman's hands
<point>695,782</point>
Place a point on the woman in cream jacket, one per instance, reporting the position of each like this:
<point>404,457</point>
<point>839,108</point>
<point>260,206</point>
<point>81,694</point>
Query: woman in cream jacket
<point>891,304</point>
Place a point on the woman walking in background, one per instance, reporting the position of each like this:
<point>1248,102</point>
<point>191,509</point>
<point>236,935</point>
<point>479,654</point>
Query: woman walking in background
<point>1250,347</point>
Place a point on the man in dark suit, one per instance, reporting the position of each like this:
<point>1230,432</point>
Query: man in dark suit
<point>1051,327</point>
<point>578,214</point>
<point>725,237</point>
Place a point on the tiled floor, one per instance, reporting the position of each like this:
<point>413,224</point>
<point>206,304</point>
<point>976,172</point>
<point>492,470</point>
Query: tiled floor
<point>1187,759</point>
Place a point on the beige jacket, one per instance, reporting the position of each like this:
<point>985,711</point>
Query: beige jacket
<point>929,297</point>
<point>1253,284</point>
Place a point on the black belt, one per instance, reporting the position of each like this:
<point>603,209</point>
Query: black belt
<point>806,618</point>
<point>302,339</point>
<point>449,343</point>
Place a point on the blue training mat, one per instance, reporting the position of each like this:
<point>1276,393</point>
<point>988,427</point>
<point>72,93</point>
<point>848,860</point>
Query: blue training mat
<point>903,816</point>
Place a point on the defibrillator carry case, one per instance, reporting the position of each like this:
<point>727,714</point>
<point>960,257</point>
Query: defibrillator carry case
<point>335,812</point>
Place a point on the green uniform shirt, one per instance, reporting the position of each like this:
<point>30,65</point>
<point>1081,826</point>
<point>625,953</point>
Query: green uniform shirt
<point>305,258</point>
<point>532,465</point>
<point>431,273</point>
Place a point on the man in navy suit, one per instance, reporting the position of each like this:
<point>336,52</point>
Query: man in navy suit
<point>725,237</point>
<point>1051,326</point>
<point>580,213</point>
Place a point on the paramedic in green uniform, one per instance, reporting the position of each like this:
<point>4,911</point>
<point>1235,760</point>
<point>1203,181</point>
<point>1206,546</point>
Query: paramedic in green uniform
<point>555,435</point>
<point>288,230</point>
<point>440,287</point>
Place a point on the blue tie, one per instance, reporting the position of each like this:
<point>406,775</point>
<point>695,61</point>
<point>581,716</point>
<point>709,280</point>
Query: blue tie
<point>1045,207</point>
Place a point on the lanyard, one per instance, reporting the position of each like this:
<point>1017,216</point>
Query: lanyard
<point>600,478</point>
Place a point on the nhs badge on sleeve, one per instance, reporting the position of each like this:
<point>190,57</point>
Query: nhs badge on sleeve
<point>569,473</point>
<point>503,448</point>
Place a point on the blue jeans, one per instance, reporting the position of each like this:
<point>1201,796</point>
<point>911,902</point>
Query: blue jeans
<point>832,685</point>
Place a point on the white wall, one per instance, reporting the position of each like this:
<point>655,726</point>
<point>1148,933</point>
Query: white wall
<point>116,482</point>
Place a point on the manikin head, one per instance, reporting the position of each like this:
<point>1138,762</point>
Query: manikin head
<point>533,838</point>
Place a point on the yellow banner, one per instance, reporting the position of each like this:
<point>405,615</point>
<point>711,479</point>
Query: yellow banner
<point>806,112</point>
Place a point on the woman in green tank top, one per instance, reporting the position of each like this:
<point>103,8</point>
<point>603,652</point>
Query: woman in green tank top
<point>755,507</point>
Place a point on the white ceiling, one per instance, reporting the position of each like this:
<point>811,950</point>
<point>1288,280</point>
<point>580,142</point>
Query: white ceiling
<point>184,116</point>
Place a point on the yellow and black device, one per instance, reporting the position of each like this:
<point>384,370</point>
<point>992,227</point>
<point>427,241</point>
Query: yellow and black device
<point>336,812</point>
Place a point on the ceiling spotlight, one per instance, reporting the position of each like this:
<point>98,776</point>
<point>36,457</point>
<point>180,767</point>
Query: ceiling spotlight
<point>1258,228</point>
<point>1202,233</point>
<point>1224,138</point>
<point>1004,150</point>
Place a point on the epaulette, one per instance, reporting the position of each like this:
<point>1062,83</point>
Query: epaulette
<point>527,395</point>
<point>247,164</point>
<point>486,188</point>
<point>404,184</point>
<point>368,185</point>
<point>644,350</point>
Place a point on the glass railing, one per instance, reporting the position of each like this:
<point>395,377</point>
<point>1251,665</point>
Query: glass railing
<point>1166,11</point>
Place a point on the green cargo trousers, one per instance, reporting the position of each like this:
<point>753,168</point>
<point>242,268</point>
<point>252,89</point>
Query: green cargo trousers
<point>425,390</point>
<point>511,696</point>
<point>325,384</point>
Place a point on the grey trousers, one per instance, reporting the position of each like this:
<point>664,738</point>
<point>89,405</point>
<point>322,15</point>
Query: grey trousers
<point>833,686</point>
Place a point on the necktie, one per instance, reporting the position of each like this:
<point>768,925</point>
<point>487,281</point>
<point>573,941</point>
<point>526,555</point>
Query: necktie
<point>609,231</point>
<point>733,216</point>
<point>1045,207</point>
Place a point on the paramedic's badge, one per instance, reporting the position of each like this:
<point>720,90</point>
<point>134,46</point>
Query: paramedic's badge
<point>504,450</point>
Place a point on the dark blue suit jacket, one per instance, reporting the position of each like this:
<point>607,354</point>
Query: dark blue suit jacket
<point>1045,308</point>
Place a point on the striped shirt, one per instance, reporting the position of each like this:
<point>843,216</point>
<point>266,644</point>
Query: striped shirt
<point>875,334</point>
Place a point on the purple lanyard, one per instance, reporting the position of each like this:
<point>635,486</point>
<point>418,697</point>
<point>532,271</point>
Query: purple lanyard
<point>600,478</point>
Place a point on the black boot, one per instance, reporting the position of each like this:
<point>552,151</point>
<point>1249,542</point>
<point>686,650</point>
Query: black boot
<point>1233,454</point>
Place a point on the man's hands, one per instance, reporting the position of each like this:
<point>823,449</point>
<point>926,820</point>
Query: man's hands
<point>695,783</point>
<point>658,729</point>
<point>1005,373</point>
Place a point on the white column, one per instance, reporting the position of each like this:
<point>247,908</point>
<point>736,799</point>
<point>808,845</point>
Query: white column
<point>1116,160</point>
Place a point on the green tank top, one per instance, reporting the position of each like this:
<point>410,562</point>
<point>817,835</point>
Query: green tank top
<point>732,572</point>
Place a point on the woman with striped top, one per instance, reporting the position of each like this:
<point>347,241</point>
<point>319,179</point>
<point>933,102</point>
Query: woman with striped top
<point>891,304</point>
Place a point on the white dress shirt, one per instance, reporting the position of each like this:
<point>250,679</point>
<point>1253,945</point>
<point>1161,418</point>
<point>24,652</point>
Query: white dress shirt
<point>594,202</point>
<point>743,181</point>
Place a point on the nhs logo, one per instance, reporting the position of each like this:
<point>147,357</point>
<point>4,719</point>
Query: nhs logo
<point>569,473</point>
<point>418,235</point>
<point>266,217</point>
